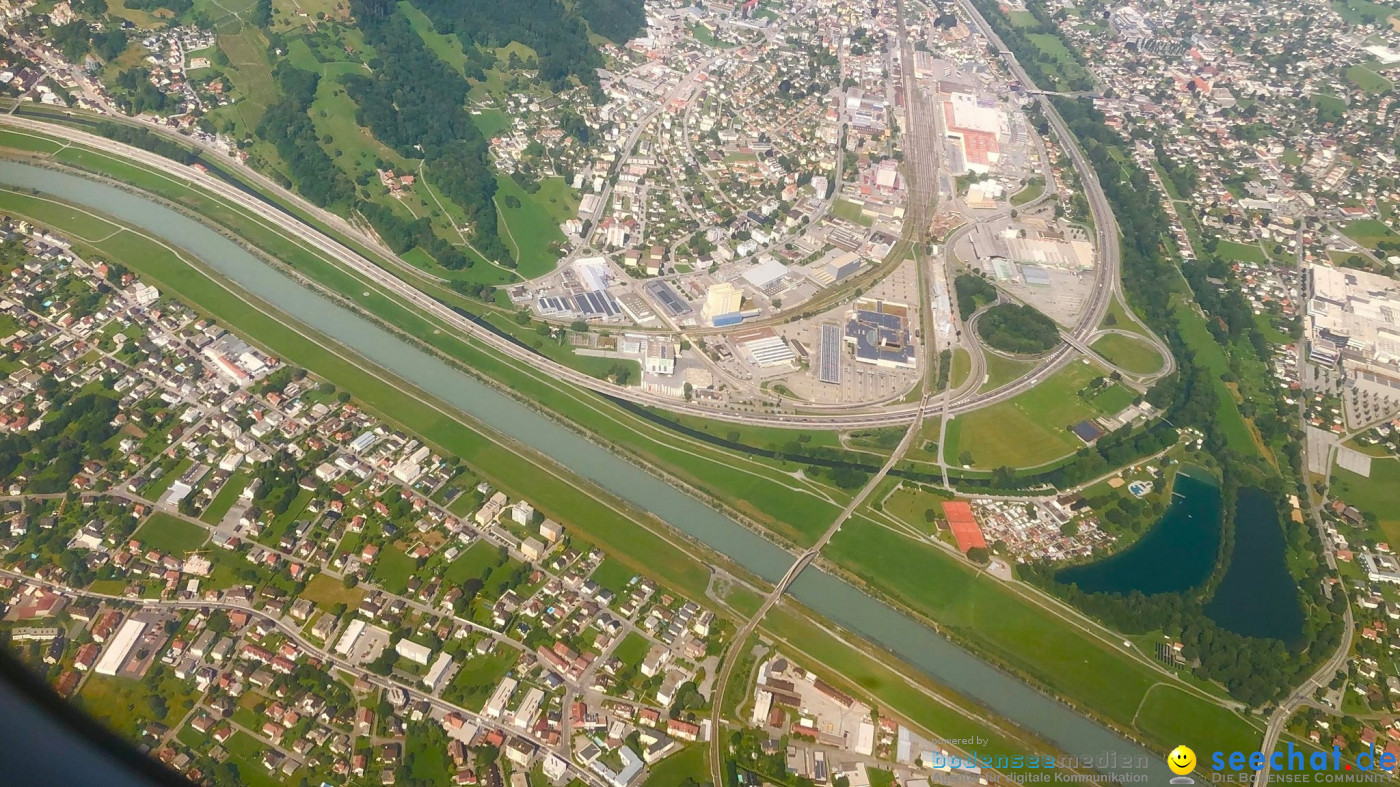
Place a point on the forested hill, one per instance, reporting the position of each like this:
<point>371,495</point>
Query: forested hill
<point>555,31</point>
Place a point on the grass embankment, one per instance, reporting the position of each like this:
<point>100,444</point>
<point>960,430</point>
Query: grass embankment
<point>1054,648</point>
<point>761,489</point>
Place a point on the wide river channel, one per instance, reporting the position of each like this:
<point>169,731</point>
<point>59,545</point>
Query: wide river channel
<point>833,598</point>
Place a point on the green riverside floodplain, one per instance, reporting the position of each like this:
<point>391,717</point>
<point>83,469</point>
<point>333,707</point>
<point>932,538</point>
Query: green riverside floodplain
<point>836,600</point>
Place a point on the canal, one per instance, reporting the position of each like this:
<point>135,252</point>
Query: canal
<point>833,598</point>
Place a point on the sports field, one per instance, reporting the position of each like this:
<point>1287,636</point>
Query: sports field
<point>1028,430</point>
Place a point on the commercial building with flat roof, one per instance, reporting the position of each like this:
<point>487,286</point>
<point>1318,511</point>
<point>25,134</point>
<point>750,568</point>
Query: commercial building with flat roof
<point>120,647</point>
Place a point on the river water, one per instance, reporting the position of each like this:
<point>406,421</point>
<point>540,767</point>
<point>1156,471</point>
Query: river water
<point>833,598</point>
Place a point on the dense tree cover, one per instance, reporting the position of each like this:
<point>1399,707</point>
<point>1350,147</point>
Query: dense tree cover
<point>72,431</point>
<point>177,6</point>
<point>974,292</point>
<point>147,140</point>
<point>403,234</point>
<point>1040,66</point>
<point>416,104</point>
<point>74,39</point>
<point>137,94</point>
<point>288,126</point>
<point>556,32</point>
<point>261,15</point>
<point>616,20</point>
<point>1016,328</point>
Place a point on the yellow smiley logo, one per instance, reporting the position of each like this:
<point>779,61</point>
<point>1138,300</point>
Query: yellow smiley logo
<point>1182,761</point>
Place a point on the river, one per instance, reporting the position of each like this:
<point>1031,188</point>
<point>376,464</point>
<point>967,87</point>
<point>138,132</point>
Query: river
<point>833,598</point>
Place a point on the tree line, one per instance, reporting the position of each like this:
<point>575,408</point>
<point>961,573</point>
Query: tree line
<point>287,125</point>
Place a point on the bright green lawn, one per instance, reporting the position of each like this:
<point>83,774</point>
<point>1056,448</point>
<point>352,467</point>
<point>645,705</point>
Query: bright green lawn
<point>613,574</point>
<point>1375,494</point>
<point>226,497</point>
<point>1001,370</point>
<point>1243,252</point>
<point>392,569</point>
<point>1129,354</point>
<point>169,534</point>
<point>689,763</point>
<point>1029,429</point>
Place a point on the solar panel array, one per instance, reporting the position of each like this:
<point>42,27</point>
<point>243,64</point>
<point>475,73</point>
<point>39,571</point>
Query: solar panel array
<point>829,362</point>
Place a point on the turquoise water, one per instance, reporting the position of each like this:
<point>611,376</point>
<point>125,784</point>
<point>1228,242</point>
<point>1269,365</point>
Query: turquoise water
<point>1177,554</point>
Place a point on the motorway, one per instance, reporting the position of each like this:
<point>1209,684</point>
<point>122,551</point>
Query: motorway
<point>922,155</point>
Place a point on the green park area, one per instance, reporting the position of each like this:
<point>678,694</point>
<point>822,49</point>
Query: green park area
<point>171,534</point>
<point>1369,233</point>
<point>1241,252</point>
<point>1029,429</point>
<point>1374,495</point>
<point>327,591</point>
<point>1129,354</point>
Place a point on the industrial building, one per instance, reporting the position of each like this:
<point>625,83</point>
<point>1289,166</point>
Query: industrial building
<point>1355,314</point>
<point>120,647</point>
